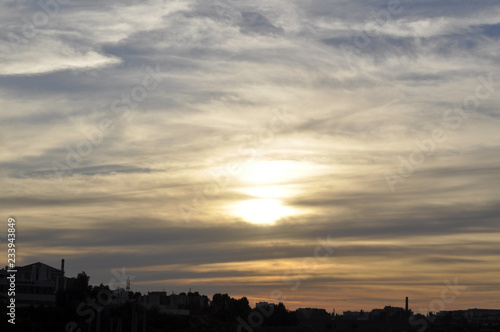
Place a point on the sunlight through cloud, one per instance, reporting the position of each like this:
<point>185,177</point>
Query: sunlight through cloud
<point>261,211</point>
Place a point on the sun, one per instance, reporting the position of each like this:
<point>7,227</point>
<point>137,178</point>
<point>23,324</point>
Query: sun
<point>267,187</point>
<point>261,211</point>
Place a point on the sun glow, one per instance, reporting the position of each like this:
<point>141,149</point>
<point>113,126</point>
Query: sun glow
<point>266,173</point>
<point>268,185</point>
<point>261,211</point>
<point>268,191</point>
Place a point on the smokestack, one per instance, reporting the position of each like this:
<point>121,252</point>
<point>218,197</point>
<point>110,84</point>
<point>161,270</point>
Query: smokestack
<point>407,304</point>
<point>62,265</point>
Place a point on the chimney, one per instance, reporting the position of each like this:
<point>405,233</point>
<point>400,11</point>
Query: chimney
<point>62,266</point>
<point>407,304</point>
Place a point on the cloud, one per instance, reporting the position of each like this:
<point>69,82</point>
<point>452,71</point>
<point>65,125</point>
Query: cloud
<point>60,59</point>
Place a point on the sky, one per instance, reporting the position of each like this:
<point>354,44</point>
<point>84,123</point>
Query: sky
<point>341,154</point>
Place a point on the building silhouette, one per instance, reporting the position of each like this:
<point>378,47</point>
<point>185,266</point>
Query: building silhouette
<point>36,284</point>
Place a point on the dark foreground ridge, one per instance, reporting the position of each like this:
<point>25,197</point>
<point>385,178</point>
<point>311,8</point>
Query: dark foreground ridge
<point>47,300</point>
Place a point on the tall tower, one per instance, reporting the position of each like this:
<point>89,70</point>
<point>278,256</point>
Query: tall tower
<point>128,285</point>
<point>406,308</point>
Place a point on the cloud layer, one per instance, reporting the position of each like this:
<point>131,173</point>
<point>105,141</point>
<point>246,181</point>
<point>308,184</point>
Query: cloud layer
<point>130,130</point>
